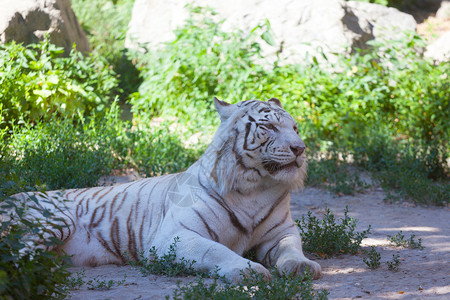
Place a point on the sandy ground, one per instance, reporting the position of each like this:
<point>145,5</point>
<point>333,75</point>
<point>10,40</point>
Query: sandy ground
<point>423,274</point>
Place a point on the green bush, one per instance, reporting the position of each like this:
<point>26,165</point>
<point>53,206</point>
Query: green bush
<point>386,93</point>
<point>181,78</point>
<point>157,151</point>
<point>252,286</point>
<point>106,24</point>
<point>66,153</point>
<point>36,81</point>
<point>57,154</point>
<point>326,237</point>
<point>332,171</point>
<point>387,87</point>
<point>418,171</point>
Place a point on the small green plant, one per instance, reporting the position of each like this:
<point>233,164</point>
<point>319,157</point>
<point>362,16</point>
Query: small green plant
<point>168,264</point>
<point>74,282</point>
<point>399,240</point>
<point>373,258</point>
<point>394,264</point>
<point>252,286</point>
<point>101,285</point>
<point>415,244</point>
<point>327,237</point>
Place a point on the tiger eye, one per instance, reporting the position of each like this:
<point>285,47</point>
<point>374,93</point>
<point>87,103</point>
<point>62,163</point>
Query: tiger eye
<point>271,127</point>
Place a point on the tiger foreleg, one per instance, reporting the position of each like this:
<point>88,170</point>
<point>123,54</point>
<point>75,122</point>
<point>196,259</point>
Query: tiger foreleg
<point>211,256</point>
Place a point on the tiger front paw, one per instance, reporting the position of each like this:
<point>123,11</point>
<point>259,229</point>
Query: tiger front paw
<point>298,267</point>
<point>235,274</point>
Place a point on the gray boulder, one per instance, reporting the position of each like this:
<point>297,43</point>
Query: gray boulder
<point>380,22</point>
<point>439,50</point>
<point>444,10</point>
<point>299,26</point>
<point>27,21</point>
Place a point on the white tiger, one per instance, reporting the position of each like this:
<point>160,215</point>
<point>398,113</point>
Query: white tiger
<point>235,198</point>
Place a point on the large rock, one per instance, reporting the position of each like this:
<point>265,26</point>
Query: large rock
<point>27,21</point>
<point>380,21</point>
<point>444,10</point>
<point>439,50</point>
<point>300,26</point>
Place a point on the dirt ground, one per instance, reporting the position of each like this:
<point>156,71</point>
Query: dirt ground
<point>423,274</point>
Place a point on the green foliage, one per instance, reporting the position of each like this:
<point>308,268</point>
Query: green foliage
<point>27,271</point>
<point>327,237</point>
<point>202,61</point>
<point>36,81</point>
<point>386,107</point>
<point>330,170</point>
<point>373,259</point>
<point>252,286</point>
<point>157,151</point>
<point>77,281</point>
<point>74,282</point>
<point>102,285</point>
<point>380,89</point>
<point>168,264</point>
<point>399,241</point>
<point>394,264</point>
<point>106,24</point>
<point>385,92</point>
<point>64,153</point>
<point>60,154</point>
<point>418,171</point>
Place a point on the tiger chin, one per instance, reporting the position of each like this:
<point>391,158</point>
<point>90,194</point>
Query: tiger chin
<point>234,199</point>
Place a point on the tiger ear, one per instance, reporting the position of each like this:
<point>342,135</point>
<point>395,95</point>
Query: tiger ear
<point>276,102</point>
<point>224,109</point>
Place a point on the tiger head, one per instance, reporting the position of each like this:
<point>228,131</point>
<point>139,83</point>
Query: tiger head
<point>257,146</point>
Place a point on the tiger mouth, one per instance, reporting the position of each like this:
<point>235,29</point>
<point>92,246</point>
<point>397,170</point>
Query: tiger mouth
<point>274,167</point>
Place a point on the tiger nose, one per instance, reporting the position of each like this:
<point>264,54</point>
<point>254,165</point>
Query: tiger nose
<point>297,150</point>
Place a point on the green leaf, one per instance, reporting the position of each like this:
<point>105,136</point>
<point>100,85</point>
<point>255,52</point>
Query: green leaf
<point>267,35</point>
<point>43,93</point>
